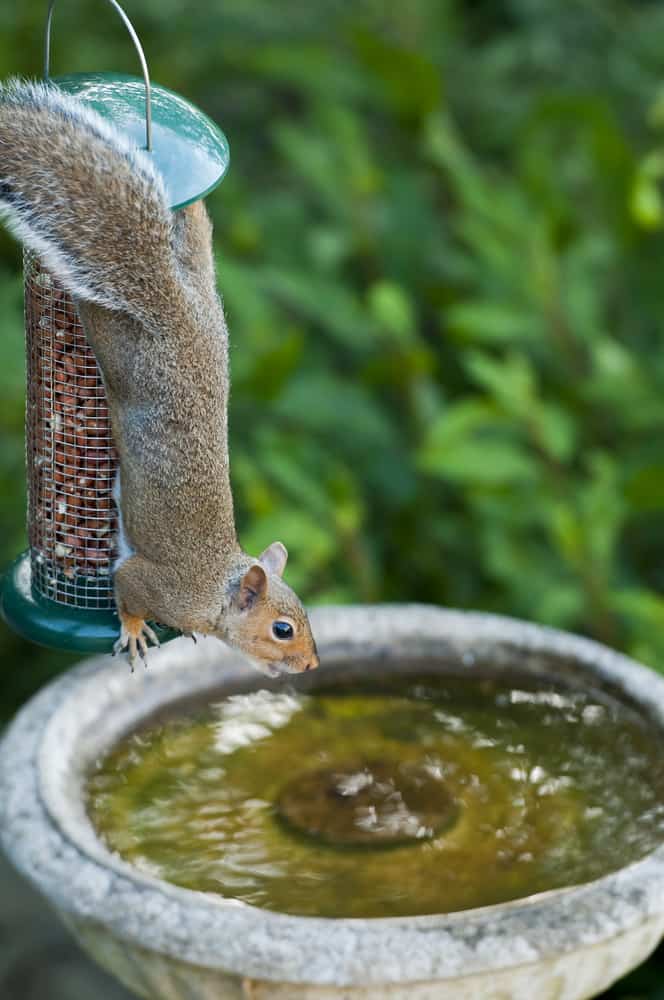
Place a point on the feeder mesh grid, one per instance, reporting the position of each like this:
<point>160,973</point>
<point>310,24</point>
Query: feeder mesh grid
<point>71,461</point>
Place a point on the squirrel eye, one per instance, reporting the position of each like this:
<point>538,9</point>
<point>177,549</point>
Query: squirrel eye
<point>282,630</point>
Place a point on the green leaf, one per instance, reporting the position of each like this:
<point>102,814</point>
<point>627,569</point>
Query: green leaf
<point>646,203</point>
<point>555,430</point>
<point>392,310</point>
<point>490,322</point>
<point>510,380</point>
<point>465,445</point>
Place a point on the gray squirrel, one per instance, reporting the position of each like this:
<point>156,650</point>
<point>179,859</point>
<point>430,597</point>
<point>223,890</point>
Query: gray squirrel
<point>75,191</point>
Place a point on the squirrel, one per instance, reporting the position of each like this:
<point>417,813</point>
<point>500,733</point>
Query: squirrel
<point>75,191</point>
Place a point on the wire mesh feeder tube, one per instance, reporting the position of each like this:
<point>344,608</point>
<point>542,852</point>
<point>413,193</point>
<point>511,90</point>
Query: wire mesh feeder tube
<point>60,592</point>
<point>72,521</point>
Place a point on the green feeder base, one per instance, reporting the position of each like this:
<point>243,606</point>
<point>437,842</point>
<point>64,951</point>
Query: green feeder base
<point>56,625</point>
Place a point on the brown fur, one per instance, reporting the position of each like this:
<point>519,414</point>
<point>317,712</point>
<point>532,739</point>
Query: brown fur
<point>145,283</point>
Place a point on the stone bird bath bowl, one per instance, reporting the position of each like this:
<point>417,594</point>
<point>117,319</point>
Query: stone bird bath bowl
<point>164,941</point>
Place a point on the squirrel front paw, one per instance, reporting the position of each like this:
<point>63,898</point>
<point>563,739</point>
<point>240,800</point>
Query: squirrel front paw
<point>133,634</point>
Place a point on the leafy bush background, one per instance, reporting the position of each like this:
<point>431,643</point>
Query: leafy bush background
<point>441,251</point>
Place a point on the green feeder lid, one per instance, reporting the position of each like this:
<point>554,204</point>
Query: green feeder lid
<point>189,150</point>
<point>58,626</point>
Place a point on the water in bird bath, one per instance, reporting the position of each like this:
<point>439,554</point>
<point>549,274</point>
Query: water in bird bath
<point>412,795</point>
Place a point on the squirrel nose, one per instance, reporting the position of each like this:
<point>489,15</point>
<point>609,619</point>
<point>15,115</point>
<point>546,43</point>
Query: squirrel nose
<point>313,662</point>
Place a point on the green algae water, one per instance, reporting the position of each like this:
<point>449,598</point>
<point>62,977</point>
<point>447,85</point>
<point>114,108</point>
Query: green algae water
<point>423,795</point>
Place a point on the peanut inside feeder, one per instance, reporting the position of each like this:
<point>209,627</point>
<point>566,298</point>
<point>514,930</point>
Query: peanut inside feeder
<point>60,592</point>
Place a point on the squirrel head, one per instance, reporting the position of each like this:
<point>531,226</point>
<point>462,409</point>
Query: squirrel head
<point>265,619</point>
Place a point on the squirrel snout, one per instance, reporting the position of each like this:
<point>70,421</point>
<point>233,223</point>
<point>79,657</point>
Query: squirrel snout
<point>313,662</point>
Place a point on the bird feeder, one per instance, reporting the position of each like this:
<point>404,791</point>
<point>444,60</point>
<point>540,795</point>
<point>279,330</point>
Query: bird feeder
<point>60,592</point>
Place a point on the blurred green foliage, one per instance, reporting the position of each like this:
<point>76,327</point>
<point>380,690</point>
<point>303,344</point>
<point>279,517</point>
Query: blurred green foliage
<point>441,249</point>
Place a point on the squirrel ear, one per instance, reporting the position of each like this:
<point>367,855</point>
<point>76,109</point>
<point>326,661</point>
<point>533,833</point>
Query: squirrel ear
<point>252,586</point>
<point>274,558</point>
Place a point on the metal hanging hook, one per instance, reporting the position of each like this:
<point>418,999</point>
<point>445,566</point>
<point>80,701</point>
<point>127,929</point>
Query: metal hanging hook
<point>141,55</point>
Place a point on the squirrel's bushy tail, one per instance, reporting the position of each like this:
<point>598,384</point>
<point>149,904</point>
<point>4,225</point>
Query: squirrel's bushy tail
<point>77,192</point>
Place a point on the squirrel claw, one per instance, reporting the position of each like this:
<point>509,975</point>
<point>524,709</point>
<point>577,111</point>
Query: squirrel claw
<point>151,635</point>
<point>133,635</point>
<point>142,650</point>
<point>191,635</point>
<point>120,643</point>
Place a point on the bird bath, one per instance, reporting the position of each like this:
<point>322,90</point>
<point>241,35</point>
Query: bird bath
<point>172,941</point>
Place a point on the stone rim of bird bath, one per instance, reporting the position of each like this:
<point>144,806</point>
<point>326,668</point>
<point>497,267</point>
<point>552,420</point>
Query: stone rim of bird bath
<point>45,831</point>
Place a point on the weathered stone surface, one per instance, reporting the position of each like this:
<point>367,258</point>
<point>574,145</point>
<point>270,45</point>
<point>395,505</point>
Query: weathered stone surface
<point>170,942</point>
<point>39,960</point>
